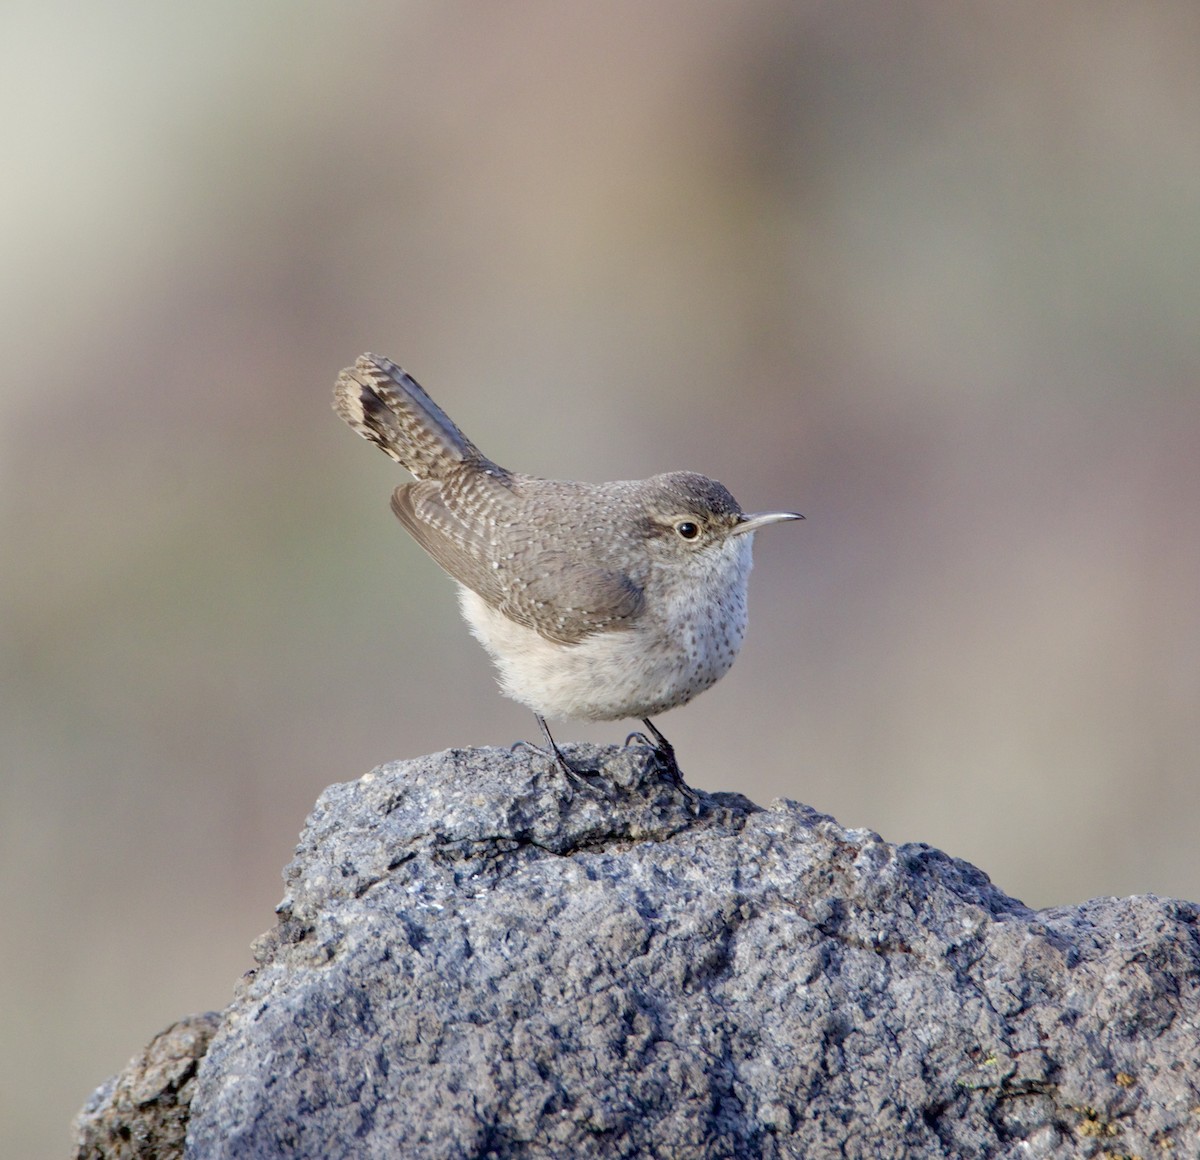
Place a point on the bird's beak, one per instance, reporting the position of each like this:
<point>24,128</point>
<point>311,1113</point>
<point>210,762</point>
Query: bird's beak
<point>751,523</point>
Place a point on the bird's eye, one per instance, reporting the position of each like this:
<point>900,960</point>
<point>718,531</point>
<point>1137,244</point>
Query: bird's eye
<point>687,529</point>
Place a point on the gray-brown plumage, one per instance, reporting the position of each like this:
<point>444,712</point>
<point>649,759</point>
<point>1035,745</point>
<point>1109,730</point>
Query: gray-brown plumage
<point>596,601</point>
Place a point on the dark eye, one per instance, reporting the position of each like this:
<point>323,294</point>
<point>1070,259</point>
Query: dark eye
<point>687,529</point>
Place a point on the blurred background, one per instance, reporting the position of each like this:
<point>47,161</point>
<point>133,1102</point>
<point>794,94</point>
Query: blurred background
<point>925,272</point>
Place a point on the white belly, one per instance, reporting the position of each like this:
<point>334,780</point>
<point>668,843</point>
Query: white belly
<point>661,662</point>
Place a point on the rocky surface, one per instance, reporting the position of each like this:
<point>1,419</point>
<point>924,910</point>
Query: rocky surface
<point>143,1112</point>
<point>476,959</point>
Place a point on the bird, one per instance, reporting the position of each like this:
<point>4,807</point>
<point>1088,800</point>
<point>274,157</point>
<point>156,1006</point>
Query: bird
<point>595,601</point>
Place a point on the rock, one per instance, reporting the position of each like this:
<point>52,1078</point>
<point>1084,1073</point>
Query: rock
<point>475,959</point>
<point>143,1112</point>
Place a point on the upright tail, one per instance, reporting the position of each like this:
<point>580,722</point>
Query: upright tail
<point>386,405</point>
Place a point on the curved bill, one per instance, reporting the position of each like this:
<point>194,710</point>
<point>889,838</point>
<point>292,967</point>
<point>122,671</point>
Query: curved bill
<point>751,523</point>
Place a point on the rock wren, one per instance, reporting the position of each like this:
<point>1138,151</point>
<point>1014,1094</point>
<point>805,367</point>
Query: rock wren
<point>595,601</point>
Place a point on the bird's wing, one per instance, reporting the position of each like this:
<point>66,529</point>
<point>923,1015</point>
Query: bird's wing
<point>566,601</point>
<point>420,508</point>
<point>561,599</point>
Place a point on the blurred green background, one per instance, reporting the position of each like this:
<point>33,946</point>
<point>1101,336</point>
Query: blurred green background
<point>926,272</point>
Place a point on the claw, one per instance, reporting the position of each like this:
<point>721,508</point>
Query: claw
<point>664,752</point>
<point>556,755</point>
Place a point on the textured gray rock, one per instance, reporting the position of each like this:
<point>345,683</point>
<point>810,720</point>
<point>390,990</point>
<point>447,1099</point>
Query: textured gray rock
<point>474,960</point>
<point>143,1112</point>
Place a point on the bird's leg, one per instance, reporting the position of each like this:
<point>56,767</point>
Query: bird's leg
<point>552,751</point>
<point>552,744</point>
<point>664,751</point>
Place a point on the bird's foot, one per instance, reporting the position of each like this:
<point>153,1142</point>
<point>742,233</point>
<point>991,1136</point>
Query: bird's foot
<point>554,754</point>
<point>664,755</point>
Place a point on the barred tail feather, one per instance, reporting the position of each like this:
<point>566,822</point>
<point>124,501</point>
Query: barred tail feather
<point>386,405</point>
